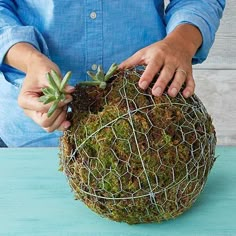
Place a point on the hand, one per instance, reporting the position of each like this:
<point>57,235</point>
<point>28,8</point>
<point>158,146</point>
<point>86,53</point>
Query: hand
<point>31,90</point>
<point>172,58</point>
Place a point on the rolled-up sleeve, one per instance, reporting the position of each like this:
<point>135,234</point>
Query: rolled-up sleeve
<point>12,30</point>
<point>205,15</point>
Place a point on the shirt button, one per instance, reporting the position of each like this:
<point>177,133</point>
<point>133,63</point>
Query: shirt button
<point>93,15</point>
<point>94,67</point>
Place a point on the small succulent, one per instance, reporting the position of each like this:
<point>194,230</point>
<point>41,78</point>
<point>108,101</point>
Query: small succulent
<point>100,78</point>
<point>55,92</point>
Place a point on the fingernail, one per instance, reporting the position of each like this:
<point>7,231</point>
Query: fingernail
<point>70,88</point>
<point>187,94</point>
<point>67,100</point>
<point>67,125</point>
<point>143,85</point>
<point>157,91</point>
<point>174,92</point>
<point>121,66</point>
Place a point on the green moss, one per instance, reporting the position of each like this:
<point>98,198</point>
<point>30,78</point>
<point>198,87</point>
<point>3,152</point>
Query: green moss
<point>122,149</point>
<point>122,129</point>
<point>166,138</point>
<point>108,115</point>
<point>93,123</point>
<point>111,183</point>
<point>105,136</point>
<point>108,159</point>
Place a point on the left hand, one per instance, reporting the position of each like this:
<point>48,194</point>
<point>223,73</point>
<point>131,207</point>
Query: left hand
<point>172,57</point>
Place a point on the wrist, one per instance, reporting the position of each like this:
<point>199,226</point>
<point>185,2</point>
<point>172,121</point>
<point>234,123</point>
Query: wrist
<point>20,56</point>
<point>187,36</point>
<point>33,58</point>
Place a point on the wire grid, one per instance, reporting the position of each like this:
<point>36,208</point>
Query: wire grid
<point>138,158</point>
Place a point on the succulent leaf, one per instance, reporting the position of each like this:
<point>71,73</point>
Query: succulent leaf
<point>43,98</point>
<point>62,97</point>
<point>93,83</point>
<point>48,91</point>
<point>53,108</point>
<point>52,83</point>
<point>100,74</point>
<point>92,75</point>
<point>47,99</point>
<point>56,78</point>
<point>65,80</point>
<point>111,71</point>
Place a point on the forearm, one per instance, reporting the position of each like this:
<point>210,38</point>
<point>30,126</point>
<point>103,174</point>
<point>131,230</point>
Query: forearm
<point>13,33</point>
<point>187,35</point>
<point>20,55</point>
<point>205,15</point>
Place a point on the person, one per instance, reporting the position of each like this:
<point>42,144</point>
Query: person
<point>37,36</point>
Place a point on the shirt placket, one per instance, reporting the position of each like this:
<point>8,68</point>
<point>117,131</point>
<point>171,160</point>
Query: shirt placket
<point>94,34</point>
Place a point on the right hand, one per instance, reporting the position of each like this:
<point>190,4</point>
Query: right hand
<point>39,65</point>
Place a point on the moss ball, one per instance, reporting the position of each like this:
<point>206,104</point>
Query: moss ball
<point>133,157</point>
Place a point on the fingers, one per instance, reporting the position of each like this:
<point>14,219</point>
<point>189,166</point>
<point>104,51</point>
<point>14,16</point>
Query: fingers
<point>56,122</point>
<point>69,89</point>
<point>134,60</point>
<point>190,87</point>
<point>167,73</point>
<point>151,70</point>
<point>179,77</point>
<point>37,111</point>
<point>170,61</point>
<point>32,90</point>
<point>30,101</point>
<point>165,76</point>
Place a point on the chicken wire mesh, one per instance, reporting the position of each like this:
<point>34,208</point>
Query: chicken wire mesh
<point>133,157</point>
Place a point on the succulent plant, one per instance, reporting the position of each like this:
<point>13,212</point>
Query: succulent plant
<point>133,157</point>
<point>55,92</point>
<point>100,79</point>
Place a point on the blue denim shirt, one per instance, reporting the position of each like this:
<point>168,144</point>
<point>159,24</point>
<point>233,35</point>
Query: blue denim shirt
<point>79,34</point>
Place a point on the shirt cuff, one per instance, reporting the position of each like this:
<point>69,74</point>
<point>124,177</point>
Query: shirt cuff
<point>202,25</point>
<point>16,34</point>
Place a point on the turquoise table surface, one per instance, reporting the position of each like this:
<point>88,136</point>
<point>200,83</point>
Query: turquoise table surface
<point>35,199</point>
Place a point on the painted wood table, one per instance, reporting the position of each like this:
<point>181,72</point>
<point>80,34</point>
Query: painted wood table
<point>35,200</point>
